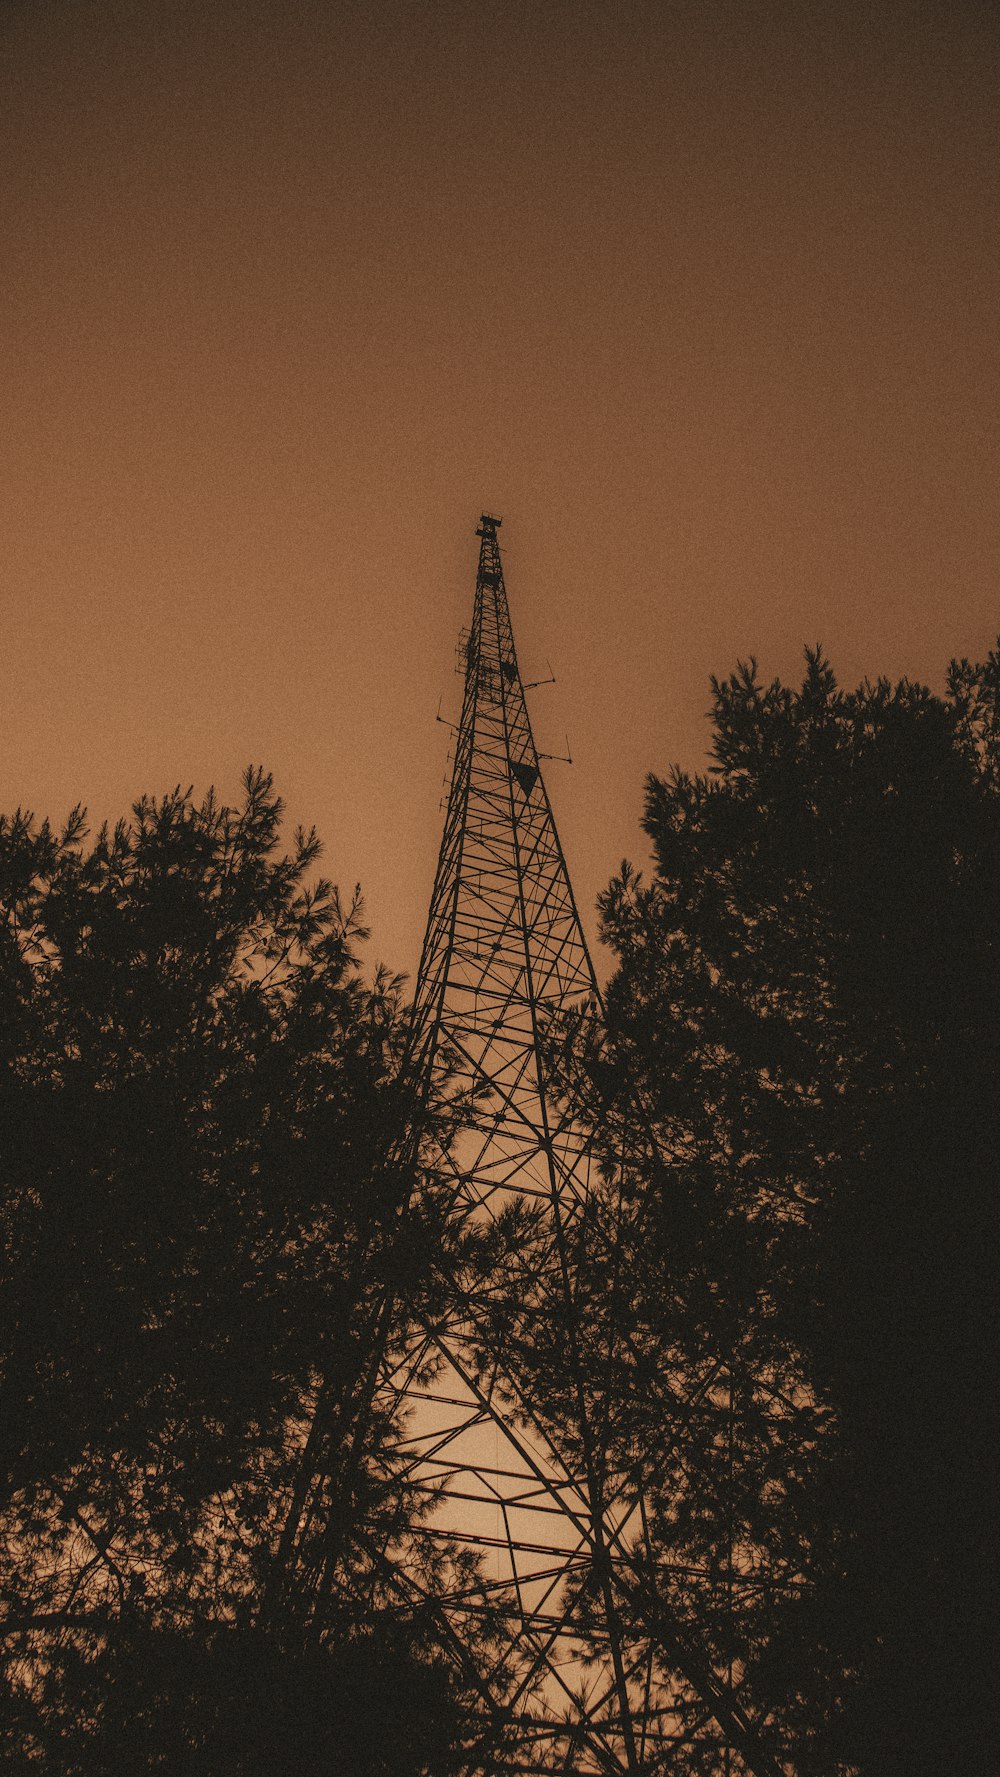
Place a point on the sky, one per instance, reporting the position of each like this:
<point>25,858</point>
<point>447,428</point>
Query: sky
<point>701,298</point>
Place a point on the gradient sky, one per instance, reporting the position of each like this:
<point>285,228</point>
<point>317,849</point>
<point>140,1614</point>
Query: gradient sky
<point>702,298</point>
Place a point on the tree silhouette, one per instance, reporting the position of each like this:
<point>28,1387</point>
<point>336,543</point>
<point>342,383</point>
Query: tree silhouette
<point>199,1180</point>
<point>782,1323</point>
<point>806,1000</point>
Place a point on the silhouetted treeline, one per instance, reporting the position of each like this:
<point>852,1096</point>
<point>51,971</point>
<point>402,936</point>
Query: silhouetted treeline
<point>784,1297</point>
<point>198,1098</point>
<point>807,1000</point>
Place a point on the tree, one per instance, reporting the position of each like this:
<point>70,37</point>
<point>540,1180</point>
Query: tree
<point>806,1003</point>
<point>200,1181</point>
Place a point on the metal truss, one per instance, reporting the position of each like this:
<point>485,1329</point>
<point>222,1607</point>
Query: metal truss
<point>498,1414</point>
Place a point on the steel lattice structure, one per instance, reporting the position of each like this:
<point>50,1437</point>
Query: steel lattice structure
<point>521,1482</point>
<point>531,1553</point>
<point>504,948</point>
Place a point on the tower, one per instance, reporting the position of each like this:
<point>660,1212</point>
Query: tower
<point>502,1399</point>
<point>525,1540</point>
<point>503,951</point>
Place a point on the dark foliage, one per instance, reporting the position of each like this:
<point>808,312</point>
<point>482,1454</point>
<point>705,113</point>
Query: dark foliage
<point>231,1703</point>
<point>200,1108</point>
<point>807,996</point>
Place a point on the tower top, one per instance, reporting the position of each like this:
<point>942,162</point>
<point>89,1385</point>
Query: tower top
<point>488,526</point>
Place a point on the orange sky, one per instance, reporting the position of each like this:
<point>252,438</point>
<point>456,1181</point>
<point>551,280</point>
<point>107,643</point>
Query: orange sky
<point>701,297</point>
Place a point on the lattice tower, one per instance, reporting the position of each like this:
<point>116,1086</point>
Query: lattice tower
<point>531,1558</point>
<point>515,1473</point>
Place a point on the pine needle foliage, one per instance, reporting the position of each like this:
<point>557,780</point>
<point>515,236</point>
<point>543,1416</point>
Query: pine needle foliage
<point>198,1190</point>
